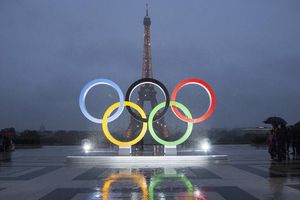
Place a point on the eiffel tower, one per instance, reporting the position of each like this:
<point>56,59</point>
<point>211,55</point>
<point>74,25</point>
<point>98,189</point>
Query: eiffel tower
<point>147,92</point>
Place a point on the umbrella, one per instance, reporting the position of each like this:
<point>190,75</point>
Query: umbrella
<point>275,121</point>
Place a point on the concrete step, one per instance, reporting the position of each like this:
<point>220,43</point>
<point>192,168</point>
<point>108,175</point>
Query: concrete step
<point>145,161</point>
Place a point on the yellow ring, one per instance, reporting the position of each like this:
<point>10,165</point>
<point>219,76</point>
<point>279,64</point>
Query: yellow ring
<point>107,133</point>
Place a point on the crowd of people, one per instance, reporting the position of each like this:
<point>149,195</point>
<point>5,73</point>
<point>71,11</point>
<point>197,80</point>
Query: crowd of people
<point>284,142</point>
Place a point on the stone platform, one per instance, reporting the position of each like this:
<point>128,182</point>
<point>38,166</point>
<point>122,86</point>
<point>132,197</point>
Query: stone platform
<point>145,161</point>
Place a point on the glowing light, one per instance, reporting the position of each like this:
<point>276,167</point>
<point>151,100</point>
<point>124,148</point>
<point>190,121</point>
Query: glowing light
<point>87,146</point>
<point>205,145</point>
<point>198,195</point>
<point>97,195</point>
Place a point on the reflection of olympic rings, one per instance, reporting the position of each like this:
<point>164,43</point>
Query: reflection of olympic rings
<point>187,117</point>
<point>159,178</point>
<point>110,137</point>
<point>136,178</point>
<point>143,81</point>
<point>141,182</point>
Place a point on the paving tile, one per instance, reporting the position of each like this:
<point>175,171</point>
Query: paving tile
<point>31,175</point>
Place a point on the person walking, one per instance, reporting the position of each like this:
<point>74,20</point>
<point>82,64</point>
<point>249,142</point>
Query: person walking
<point>280,135</point>
<point>271,142</point>
<point>282,142</point>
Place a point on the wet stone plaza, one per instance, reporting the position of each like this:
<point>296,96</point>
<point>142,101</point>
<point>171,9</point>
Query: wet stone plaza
<point>247,174</point>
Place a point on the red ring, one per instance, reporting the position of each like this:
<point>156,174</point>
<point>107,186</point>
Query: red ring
<point>209,90</point>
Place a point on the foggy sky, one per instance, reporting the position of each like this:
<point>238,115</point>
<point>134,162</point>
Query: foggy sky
<point>248,51</point>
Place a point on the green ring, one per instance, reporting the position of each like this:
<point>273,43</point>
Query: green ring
<point>159,178</point>
<point>187,132</point>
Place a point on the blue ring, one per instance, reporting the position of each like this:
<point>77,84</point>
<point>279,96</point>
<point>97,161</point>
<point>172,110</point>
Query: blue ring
<point>89,86</point>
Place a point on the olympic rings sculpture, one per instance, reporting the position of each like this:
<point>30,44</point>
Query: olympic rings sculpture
<point>147,121</point>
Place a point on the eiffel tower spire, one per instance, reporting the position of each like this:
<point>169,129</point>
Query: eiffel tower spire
<point>146,9</point>
<point>147,59</point>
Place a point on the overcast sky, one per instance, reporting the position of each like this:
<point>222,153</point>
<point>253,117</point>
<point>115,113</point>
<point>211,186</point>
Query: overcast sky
<point>248,51</point>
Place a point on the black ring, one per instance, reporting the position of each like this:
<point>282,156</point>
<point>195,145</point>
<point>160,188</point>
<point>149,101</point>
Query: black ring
<point>147,81</point>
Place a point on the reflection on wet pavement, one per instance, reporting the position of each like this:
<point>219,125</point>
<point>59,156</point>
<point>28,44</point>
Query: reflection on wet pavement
<point>135,178</point>
<point>41,174</point>
<point>132,184</point>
